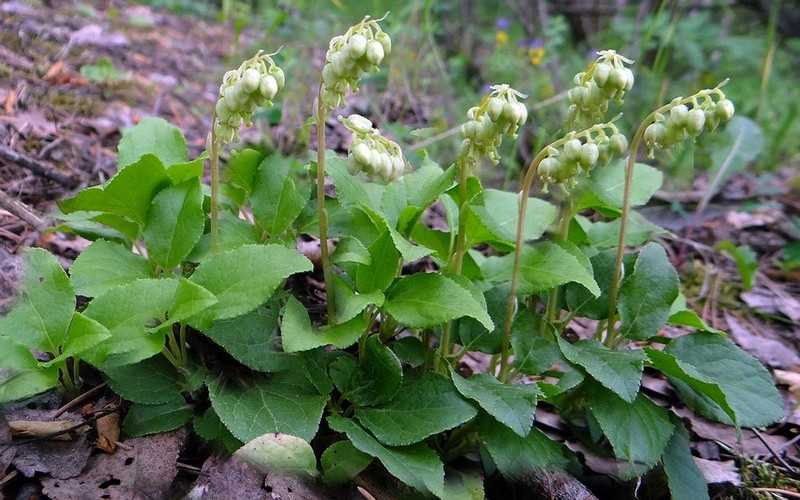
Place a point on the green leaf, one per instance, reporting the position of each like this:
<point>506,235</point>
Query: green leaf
<point>375,379</point>
<point>351,191</point>
<point>190,299</point>
<point>493,215</point>
<point>606,234</point>
<point>581,301</point>
<point>747,385</point>
<point>418,466</point>
<point>741,143</point>
<point>474,336</point>
<point>175,223</point>
<point>127,311</point>
<point>460,485</point>
<point>424,300</point>
<point>242,167</point>
<point>676,369</point>
<point>41,316</point>
<point>745,258</point>
<point>685,480</point>
<point>607,184</point>
<point>286,402</point>
<point>20,375</point>
<point>277,452</point>
<point>410,350</point>
<point>153,419</point>
<point>350,249</point>
<point>384,265</point>
<point>427,183</point>
<point>350,304</point>
<point>534,353</point>
<point>515,455</point>
<point>423,407</point>
<point>647,294</point>
<point>297,333</point>
<point>512,405</point>
<point>276,200</point>
<point>638,431</point>
<point>341,462</point>
<point>543,266</point>
<point>244,278</point>
<point>84,333</point>
<point>209,427</point>
<point>128,194</point>
<point>233,233</point>
<point>253,340</point>
<point>104,265</point>
<point>179,173</point>
<point>619,371</point>
<point>150,382</point>
<point>154,136</point>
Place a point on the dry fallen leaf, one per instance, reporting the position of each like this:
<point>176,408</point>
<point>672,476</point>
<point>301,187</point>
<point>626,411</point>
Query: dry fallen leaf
<point>108,432</point>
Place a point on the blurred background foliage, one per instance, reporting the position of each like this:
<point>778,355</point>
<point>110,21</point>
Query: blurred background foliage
<point>447,52</point>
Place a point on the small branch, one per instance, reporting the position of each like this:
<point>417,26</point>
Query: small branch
<point>38,167</point>
<point>23,211</point>
<point>80,399</point>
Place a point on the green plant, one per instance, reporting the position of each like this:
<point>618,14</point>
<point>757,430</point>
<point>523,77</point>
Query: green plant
<point>173,274</point>
<point>102,71</point>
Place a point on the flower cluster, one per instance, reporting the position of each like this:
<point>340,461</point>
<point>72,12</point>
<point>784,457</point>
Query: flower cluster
<point>580,152</point>
<point>359,50</point>
<point>371,153</point>
<point>679,121</point>
<point>499,113</point>
<point>605,79</point>
<point>255,83</point>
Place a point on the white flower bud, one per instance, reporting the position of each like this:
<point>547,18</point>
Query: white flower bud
<point>495,108</point>
<point>618,144</point>
<point>374,52</point>
<point>520,113</point>
<point>601,74</point>
<point>362,153</point>
<point>384,40</point>
<point>356,46</point>
<point>695,121</point>
<point>677,116</point>
<point>250,80</point>
<point>268,86</point>
<point>280,78</point>
<point>654,134</point>
<point>588,155</point>
<point>572,150</point>
<point>724,110</point>
<point>359,123</point>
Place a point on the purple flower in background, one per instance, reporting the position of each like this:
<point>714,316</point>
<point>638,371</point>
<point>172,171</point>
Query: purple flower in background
<point>531,43</point>
<point>502,23</point>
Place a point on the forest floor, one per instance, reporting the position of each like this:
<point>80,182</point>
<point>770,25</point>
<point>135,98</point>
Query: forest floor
<point>73,76</point>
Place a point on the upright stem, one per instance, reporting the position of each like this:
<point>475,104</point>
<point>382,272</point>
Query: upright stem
<point>322,213</point>
<point>613,290</point>
<point>527,182</point>
<point>457,259</point>
<point>214,153</point>
<point>457,262</point>
<point>563,234</point>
